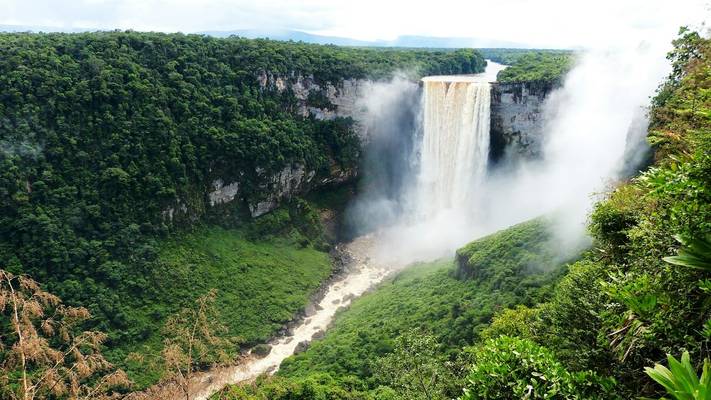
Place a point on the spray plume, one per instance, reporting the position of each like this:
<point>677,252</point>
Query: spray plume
<point>593,127</point>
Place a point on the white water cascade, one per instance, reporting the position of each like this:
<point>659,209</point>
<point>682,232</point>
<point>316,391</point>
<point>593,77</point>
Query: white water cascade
<point>455,145</point>
<point>443,206</point>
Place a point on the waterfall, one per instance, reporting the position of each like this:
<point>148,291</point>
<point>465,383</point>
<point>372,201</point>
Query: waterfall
<point>440,205</point>
<point>455,146</point>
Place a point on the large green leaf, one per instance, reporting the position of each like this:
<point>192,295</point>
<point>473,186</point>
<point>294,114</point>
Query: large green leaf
<point>695,253</point>
<point>680,379</point>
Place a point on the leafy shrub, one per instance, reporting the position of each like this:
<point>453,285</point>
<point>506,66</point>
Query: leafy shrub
<point>513,368</point>
<point>571,320</point>
<point>416,368</point>
<point>522,322</point>
<point>613,218</point>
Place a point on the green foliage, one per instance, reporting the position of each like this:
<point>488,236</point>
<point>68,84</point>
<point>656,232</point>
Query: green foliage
<point>416,369</point>
<point>261,285</point>
<point>538,66</point>
<point>511,56</point>
<point>633,291</point>
<point>521,321</point>
<point>296,220</point>
<point>688,48</point>
<point>694,253</point>
<point>319,99</point>
<point>706,330</point>
<point>570,322</point>
<point>313,387</point>
<point>431,298</point>
<point>512,368</point>
<point>614,219</point>
<point>520,250</point>
<point>680,379</point>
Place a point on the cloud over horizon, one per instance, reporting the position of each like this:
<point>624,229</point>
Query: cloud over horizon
<point>545,23</point>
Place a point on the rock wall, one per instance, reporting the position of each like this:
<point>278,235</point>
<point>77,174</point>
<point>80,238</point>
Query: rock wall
<point>517,119</point>
<point>295,179</point>
<point>516,132</point>
<point>343,96</point>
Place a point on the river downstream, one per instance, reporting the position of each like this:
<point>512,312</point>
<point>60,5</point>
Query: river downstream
<point>361,273</point>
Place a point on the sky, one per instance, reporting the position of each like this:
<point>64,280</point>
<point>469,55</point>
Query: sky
<point>536,23</point>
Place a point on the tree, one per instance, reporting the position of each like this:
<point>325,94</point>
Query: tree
<point>194,337</point>
<point>41,353</point>
<point>415,368</point>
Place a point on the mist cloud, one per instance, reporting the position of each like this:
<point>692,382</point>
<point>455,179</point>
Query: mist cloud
<point>594,137</point>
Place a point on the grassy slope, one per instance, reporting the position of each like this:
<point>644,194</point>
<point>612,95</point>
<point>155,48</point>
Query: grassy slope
<point>519,250</point>
<point>260,286</point>
<point>430,297</point>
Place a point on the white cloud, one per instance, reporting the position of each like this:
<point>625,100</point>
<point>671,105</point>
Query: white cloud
<point>550,23</point>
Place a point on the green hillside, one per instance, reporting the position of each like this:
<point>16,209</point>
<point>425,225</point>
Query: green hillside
<point>435,299</point>
<point>260,284</point>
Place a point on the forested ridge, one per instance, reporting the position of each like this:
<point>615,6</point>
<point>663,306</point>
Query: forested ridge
<point>537,66</point>
<point>110,142</point>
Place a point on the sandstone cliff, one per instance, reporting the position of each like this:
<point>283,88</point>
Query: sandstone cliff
<point>517,119</point>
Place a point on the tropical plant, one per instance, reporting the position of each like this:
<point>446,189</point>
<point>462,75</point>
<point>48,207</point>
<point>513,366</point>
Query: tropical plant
<point>680,379</point>
<point>513,368</point>
<point>694,253</point>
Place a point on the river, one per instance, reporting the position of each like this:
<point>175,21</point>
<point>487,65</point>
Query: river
<point>361,273</point>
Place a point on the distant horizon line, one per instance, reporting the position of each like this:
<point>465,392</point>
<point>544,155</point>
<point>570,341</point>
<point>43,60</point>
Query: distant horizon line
<point>406,40</point>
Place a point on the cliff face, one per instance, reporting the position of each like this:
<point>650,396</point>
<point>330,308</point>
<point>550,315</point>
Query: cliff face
<point>517,119</point>
<point>322,101</point>
<point>516,131</point>
<point>339,100</point>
